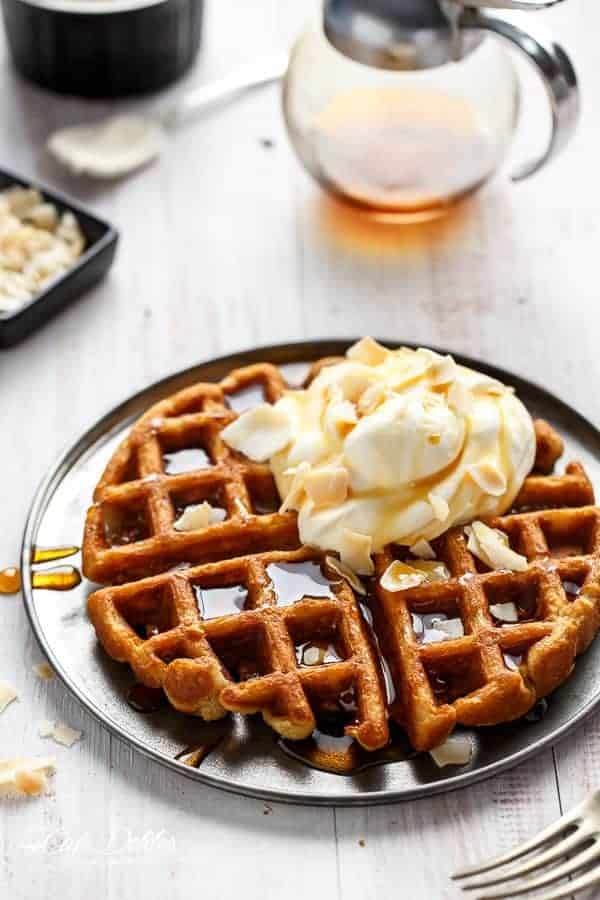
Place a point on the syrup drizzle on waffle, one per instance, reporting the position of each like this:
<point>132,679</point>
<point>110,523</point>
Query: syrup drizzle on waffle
<point>237,619</point>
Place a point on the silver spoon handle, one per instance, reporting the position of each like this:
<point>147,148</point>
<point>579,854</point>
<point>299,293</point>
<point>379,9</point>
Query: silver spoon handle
<point>207,96</point>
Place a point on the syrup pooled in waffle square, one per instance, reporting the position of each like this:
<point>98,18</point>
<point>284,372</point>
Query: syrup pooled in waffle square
<point>278,633</point>
<point>487,670</point>
<point>174,458</point>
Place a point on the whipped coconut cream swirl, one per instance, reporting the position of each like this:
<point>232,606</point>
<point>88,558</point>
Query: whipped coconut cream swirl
<point>390,446</point>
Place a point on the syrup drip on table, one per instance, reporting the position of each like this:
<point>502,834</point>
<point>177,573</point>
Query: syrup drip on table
<point>63,578</point>
<point>10,580</point>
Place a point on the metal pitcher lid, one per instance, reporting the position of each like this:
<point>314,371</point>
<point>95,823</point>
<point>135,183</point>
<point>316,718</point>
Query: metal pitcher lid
<point>407,34</point>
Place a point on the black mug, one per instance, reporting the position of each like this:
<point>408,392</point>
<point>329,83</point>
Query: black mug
<point>103,48</point>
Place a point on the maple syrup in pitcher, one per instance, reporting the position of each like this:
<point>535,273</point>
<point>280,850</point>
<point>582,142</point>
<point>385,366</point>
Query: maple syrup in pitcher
<point>403,107</point>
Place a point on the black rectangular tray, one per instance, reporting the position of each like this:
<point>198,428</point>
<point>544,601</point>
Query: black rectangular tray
<point>95,261</point>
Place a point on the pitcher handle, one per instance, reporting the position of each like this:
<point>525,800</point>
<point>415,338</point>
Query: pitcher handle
<point>555,69</point>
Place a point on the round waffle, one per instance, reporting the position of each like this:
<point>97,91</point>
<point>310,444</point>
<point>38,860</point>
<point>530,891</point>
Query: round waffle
<point>295,652</point>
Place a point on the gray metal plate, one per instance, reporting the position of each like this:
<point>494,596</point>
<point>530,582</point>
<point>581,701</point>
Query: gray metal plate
<point>249,761</point>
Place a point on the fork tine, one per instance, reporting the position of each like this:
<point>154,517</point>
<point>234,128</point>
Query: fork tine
<point>567,868</point>
<point>545,835</point>
<point>536,862</point>
<point>572,887</point>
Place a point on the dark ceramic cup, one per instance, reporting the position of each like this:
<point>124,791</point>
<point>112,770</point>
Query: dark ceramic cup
<point>103,48</point>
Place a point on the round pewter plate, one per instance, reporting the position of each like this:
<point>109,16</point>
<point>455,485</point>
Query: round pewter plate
<point>248,759</point>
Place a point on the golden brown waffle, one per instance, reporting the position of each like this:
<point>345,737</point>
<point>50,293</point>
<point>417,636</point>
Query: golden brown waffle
<point>285,653</point>
<point>292,661</point>
<point>129,530</point>
<point>496,672</point>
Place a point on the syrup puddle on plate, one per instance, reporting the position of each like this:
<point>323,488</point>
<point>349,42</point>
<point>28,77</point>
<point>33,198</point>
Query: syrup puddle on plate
<point>195,756</point>
<point>145,699</point>
<point>52,554</point>
<point>342,755</point>
<point>62,578</point>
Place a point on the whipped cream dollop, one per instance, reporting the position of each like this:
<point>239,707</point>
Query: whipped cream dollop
<point>391,446</point>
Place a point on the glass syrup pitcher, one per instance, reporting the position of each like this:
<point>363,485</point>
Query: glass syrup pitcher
<point>404,106</point>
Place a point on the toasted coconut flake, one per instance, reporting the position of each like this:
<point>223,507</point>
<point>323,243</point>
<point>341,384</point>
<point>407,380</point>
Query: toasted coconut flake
<point>45,728</point>
<point>505,612</point>
<point>512,662</point>
<point>452,628</point>
<point>25,777</point>
<point>443,370</point>
<point>355,551</point>
<point>417,624</point>
<point>370,399</point>
<point>458,399</point>
<point>313,656</point>
<point>7,695</point>
<point>327,486</point>
<point>260,432</point>
<point>199,516</point>
<point>400,577</point>
<point>492,547</point>
<point>489,478</point>
<point>64,734</point>
<point>296,489</point>
<point>44,671</point>
<point>60,732</point>
<point>367,351</point>
<point>486,385</point>
<point>434,569</point>
<point>340,418</point>
<point>422,549</point>
<point>440,508</point>
<point>456,750</point>
<point>434,635</point>
<point>345,572</point>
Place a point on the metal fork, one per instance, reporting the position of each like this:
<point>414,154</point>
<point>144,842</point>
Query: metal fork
<point>576,836</point>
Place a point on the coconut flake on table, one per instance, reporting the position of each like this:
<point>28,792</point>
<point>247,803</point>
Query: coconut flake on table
<point>44,671</point>
<point>25,777</point>
<point>456,750</point>
<point>59,732</point>
<point>7,695</point>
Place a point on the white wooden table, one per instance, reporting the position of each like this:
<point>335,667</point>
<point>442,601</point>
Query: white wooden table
<point>227,244</point>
